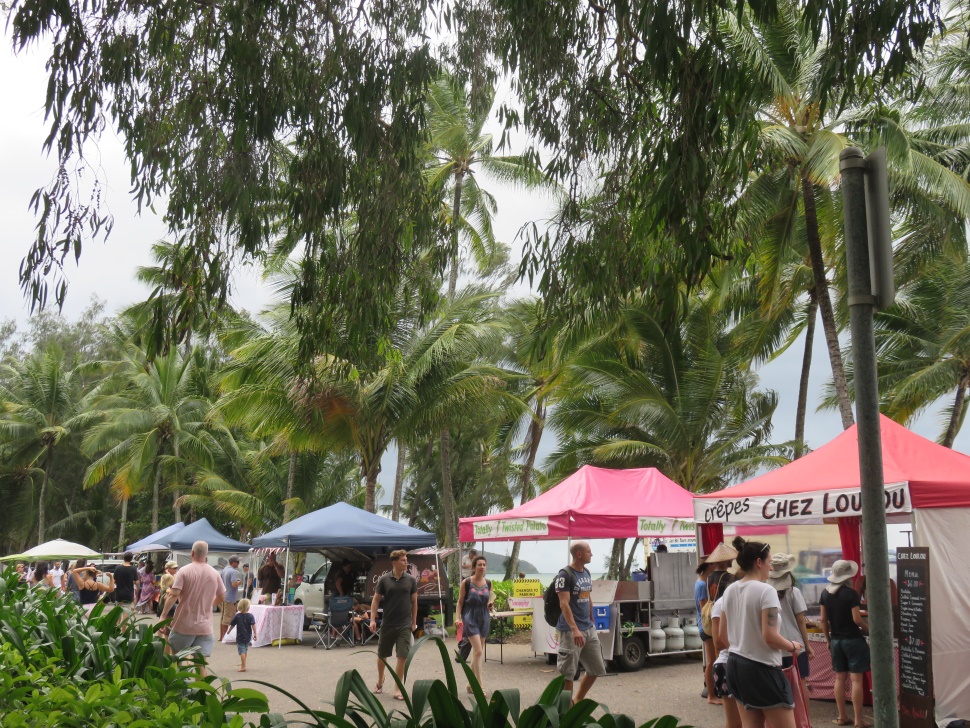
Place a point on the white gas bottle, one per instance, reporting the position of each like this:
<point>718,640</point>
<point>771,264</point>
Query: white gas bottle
<point>675,635</point>
<point>692,635</point>
<point>658,638</point>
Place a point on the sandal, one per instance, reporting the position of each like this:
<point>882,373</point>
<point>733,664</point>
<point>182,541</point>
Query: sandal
<point>840,721</point>
<point>379,688</point>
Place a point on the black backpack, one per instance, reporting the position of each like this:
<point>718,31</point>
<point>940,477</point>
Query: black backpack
<point>551,608</point>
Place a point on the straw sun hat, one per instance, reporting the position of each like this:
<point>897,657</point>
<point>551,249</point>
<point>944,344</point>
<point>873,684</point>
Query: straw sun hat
<point>723,553</point>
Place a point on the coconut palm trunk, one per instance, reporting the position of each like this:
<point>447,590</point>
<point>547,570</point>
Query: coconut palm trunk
<point>156,490</point>
<point>959,405</point>
<point>802,408</point>
<point>124,523</point>
<point>455,215</point>
<point>45,479</point>
<point>398,481</point>
<point>536,428</point>
<point>177,494</point>
<point>625,574</point>
<point>369,470</point>
<point>290,483</point>
<point>825,303</point>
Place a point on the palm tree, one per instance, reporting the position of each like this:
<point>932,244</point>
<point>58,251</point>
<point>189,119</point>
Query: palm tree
<point>154,421</point>
<point>643,396</point>
<point>923,348</point>
<point>40,408</point>
<point>790,199</point>
<point>540,356</point>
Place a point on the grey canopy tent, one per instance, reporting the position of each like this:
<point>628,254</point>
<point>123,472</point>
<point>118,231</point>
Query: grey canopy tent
<point>202,530</point>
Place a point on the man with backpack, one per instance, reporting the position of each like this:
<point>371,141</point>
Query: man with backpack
<point>578,641</point>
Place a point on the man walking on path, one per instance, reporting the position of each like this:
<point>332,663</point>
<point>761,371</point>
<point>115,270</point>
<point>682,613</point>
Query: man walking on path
<point>399,591</point>
<point>578,641</point>
<point>126,576</point>
<point>198,588</point>
<point>845,628</point>
<point>231,579</point>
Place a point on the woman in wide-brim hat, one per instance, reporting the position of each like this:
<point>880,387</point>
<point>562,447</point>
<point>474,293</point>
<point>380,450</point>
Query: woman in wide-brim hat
<point>792,614</point>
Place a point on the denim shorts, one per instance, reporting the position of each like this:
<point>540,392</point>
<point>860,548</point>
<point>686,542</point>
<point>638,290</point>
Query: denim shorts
<point>242,648</point>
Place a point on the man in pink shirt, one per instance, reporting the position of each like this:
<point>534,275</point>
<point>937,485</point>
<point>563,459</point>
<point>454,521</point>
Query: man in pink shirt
<point>198,588</point>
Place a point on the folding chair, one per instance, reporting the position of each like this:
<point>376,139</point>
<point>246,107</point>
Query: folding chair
<point>318,623</point>
<point>370,635</point>
<point>339,624</point>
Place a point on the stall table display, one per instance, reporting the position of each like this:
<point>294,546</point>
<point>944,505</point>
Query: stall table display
<point>821,680</point>
<point>268,623</point>
<point>504,616</point>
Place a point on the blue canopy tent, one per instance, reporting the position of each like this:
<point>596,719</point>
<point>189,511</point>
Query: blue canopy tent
<point>344,526</point>
<point>202,530</point>
<point>157,538</point>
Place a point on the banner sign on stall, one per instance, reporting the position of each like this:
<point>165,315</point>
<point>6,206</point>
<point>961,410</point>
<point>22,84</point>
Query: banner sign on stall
<point>664,527</point>
<point>512,527</point>
<point>811,506</point>
<point>916,708</point>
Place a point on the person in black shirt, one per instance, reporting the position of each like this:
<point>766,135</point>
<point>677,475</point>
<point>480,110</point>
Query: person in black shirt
<point>845,631</point>
<point>126,576</point>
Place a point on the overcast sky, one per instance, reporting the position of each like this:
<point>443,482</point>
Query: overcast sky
<point>107,269</point>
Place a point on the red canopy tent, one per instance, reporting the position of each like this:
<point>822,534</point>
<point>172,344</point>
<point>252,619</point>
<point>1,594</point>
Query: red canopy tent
<point>925,483</point>
<point>593,503</point>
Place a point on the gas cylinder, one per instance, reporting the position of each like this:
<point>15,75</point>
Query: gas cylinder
<point>692,635</point>
<point>658,638</point>
<point>675,635</point>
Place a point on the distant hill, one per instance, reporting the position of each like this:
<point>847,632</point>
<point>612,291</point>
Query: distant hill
<point>496,563</point>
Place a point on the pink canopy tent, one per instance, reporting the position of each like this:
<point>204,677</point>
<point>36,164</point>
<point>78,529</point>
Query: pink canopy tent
<point>593,503</point>
<point>925,484</point>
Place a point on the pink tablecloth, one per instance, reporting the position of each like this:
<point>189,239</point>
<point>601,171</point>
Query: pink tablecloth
<point>268,622</point>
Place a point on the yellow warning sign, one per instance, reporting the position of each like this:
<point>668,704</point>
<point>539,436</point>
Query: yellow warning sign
<point>524,590</point>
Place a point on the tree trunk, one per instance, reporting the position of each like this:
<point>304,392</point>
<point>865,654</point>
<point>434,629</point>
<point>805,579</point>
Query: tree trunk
<point>124,523</point>
<point>628,566</point>
<point>536,428</point>
<point>399,480</point>
<point>825,303</point>
<point>616,558</point>
<point>370,471</point>
<point>806,370</point>
<point>176,507</point>
<point>959,404</point>
<point>448,504</point>
<point>48,463</point>
<point>156,489</point>
<point>455,216</point>
<point>290,482</point>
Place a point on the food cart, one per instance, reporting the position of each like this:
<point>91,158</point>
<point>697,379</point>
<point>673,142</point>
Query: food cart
<point>635,619</point>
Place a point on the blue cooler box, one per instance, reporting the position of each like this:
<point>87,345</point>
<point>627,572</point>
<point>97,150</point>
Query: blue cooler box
<point>601,618</point>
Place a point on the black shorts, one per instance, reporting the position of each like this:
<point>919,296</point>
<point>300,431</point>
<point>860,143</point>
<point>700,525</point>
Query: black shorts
<point>758,686</point>
<point>803,667</point>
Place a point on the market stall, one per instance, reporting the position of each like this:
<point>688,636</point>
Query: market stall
<point>342,531</point>
<point>272,623</point>
<point>156,540</point>
<point>53,550</point>
<point>926,485</point>
<point>636,618</point>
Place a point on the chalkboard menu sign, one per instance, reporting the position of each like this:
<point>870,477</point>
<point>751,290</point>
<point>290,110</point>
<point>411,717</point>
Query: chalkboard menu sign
<point>915,638</point>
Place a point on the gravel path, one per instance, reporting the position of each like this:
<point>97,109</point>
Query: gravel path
<point>668,685</point>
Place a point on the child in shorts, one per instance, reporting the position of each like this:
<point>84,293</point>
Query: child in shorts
<point>245,625</point>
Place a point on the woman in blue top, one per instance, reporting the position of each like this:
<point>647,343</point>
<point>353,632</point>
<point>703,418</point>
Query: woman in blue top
<point>476,601</point>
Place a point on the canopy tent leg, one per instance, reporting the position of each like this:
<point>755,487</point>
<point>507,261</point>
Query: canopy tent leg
<point>441,600</point>
<point>286,591</point>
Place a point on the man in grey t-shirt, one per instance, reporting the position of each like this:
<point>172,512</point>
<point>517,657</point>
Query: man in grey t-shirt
<point>232,579</point>
<point>578,640</point>
<point>399,591</point>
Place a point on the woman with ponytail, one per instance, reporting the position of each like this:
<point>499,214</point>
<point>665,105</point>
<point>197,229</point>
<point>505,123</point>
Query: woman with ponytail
<point>751,613</point>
